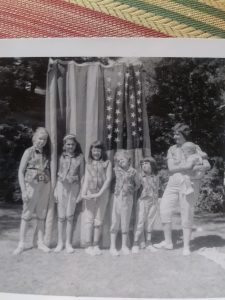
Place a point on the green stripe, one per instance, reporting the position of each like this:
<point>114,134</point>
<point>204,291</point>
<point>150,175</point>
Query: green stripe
<point>151,8</point>
<point>202,8</point>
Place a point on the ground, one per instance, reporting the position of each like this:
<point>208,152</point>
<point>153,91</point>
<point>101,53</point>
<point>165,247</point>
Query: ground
<point>150,275</point>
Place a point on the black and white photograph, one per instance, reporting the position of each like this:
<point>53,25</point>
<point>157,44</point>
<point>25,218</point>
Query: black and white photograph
<point>112,176</point>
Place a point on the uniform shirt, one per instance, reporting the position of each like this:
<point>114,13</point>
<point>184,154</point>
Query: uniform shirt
<point>150,185</point>
<point>70,168</point>
<point>37,168</point>
<point>96,174</point>
<point>126,181</point>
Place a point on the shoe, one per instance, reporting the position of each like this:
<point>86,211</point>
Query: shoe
<point>43,247</point>
<point>186,252</point>
<point>58,248</point>
<point>163,245</point>
<point>113,252</point>
<point>19,249</point>
<point>89,250</point>
<point>151,248</point>
<point>125,251</point>
<point>135,250</point>
<point>97,251</point>
<point>69,249</point>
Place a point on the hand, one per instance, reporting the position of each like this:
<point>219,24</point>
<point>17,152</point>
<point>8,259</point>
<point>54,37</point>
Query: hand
<point>86,197</point>
<point>24,196</point>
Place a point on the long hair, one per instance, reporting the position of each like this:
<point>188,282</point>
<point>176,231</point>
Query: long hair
<point>42,131</point>
<point>77,150</point>
<point>98,145</point>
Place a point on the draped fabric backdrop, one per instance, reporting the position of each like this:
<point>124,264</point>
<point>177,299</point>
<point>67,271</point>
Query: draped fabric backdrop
<point>95,102</point>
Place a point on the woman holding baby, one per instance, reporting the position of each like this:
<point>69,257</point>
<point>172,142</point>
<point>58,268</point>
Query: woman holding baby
<point>187,165</point>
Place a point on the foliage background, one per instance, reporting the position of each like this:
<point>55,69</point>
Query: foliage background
<point>189,90</point>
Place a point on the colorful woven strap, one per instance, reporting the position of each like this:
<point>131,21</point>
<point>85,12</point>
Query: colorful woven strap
<point>90,18</point>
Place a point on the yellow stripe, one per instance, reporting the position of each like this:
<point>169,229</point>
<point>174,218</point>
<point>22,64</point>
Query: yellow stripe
<point>143,18</point>
<point>219,4</point>
<point>189,12</point>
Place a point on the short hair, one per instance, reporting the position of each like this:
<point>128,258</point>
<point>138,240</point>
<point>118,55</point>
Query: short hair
<point>99,145</point>
<point>42,131</point>
<point>190,146</point>
<point>183,129</point>
<point>70,136</point>
<point>121,154</point>
<point>152,162</point>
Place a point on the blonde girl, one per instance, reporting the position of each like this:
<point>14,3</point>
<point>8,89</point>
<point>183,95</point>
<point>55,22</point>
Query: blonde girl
<point>67,191</point>
<point>95,192</point>
<point>34,180</point>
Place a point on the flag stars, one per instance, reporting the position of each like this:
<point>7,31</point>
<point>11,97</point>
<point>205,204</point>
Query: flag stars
<point>119,83</point>
<point>132,105</point>
<point>109,108</point>
<point>108,79</point>
<point>117,140</point>
<point>109,127</point>
<point>118,101</point>
<point>133,124</point>
<point>139,92</point>
<point>139,110</point>
<point>109,98</point>
<point>117,130</point>
<point>127,75</point>
<point>138,101</point>
<point>108,89</point>
<point>139,119</point>
<point>108,117</point>
<point>139,129</point>
<point>132,96</point>
<point>139,82</point>
<point>119,93</point>
<point>109,136</point>
<point>117,112</point>
<point>133,115</point>
<point>117,120</point>
<point>134,133</point>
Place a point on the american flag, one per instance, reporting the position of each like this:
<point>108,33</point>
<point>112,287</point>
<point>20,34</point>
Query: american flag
<point>124,119</point>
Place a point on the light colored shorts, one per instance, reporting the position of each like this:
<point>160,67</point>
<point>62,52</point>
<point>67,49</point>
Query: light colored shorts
<point>38,199</point>
<point>66,193</point>
<point>173,195</point>
<point>121,213</point>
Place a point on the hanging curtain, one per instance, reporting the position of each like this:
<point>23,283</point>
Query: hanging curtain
<point>95,102</point>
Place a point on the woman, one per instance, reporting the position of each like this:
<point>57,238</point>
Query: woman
<point>173,192</point>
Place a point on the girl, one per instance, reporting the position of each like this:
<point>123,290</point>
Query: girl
<point>127,181</point>
<point>34,180</point>
<point>147,203</point>
<point>71,169</point>
<point>95,192</point>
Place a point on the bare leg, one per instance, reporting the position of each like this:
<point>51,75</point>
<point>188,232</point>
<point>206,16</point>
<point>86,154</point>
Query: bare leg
<point>97,235</point>
<point>125,249</point>
<point>69,228</point>
<point>187,237</point>
<point>59,246</point>
<point>40,230</point>
<point>23,228</point>
<point>167,243</point>
<point>113,249</point>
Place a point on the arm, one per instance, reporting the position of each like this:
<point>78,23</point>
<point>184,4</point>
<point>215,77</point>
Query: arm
<point>204,167</point>
<point>81,173</point>
<point>21,173</point>
<point>84,185</point>
<point>187,166</point>
<point>106,183</point>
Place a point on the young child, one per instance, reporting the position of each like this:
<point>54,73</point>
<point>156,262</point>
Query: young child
<point>127,181</point>
<point>95,192</point>
<point>67,191</point>
<point>147,204</point>
<point>34,180</point>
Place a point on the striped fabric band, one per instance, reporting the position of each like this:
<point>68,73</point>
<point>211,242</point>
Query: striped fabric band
<point>120,18</point>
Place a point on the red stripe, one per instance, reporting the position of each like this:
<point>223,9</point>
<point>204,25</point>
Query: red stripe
<point>56,18</point>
